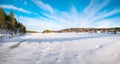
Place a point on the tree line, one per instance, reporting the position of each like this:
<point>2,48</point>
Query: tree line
<point>9,25</point>
<point>89,30</point>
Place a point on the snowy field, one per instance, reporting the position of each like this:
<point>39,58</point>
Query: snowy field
<point>61,48</point>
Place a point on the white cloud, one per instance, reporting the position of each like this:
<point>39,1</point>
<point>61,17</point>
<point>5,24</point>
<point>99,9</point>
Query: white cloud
<point>106,23</point>
<point>44,6</point>
<point>39,24</point>
<point>105,14</point>
<point>95,6</point>
<point>93,9</point>
<point>15,8</point>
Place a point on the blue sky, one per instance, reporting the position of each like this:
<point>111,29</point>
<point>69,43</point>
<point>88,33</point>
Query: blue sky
<point>40,15</point>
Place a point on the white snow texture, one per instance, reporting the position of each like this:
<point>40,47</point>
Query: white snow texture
<point>61,48</point>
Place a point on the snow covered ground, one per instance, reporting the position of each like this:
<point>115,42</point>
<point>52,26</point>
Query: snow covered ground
<point>61,48</point>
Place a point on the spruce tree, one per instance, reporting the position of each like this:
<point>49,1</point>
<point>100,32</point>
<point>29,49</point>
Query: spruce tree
<point>11,14</point>
<point>2,18</point>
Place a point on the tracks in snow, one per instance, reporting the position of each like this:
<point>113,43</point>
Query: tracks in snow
<point>17,45</point>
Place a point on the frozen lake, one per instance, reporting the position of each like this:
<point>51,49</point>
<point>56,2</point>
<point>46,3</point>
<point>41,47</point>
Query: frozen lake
<point>61,48</point>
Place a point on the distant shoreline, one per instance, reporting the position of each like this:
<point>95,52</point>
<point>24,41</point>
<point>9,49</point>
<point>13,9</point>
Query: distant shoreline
<point>91,30</point>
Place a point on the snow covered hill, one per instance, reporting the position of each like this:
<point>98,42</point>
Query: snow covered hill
<point>61,48</point>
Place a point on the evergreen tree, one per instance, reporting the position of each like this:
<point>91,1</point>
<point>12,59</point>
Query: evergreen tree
<point>11,14</point>
<point>11,18</point>
<point>15,25</point>
<point>2,18</point>
<point>22,28</point>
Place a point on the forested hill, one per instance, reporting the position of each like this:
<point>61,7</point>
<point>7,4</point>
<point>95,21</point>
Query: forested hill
<point>9,25</point>
<point>90,30</point>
